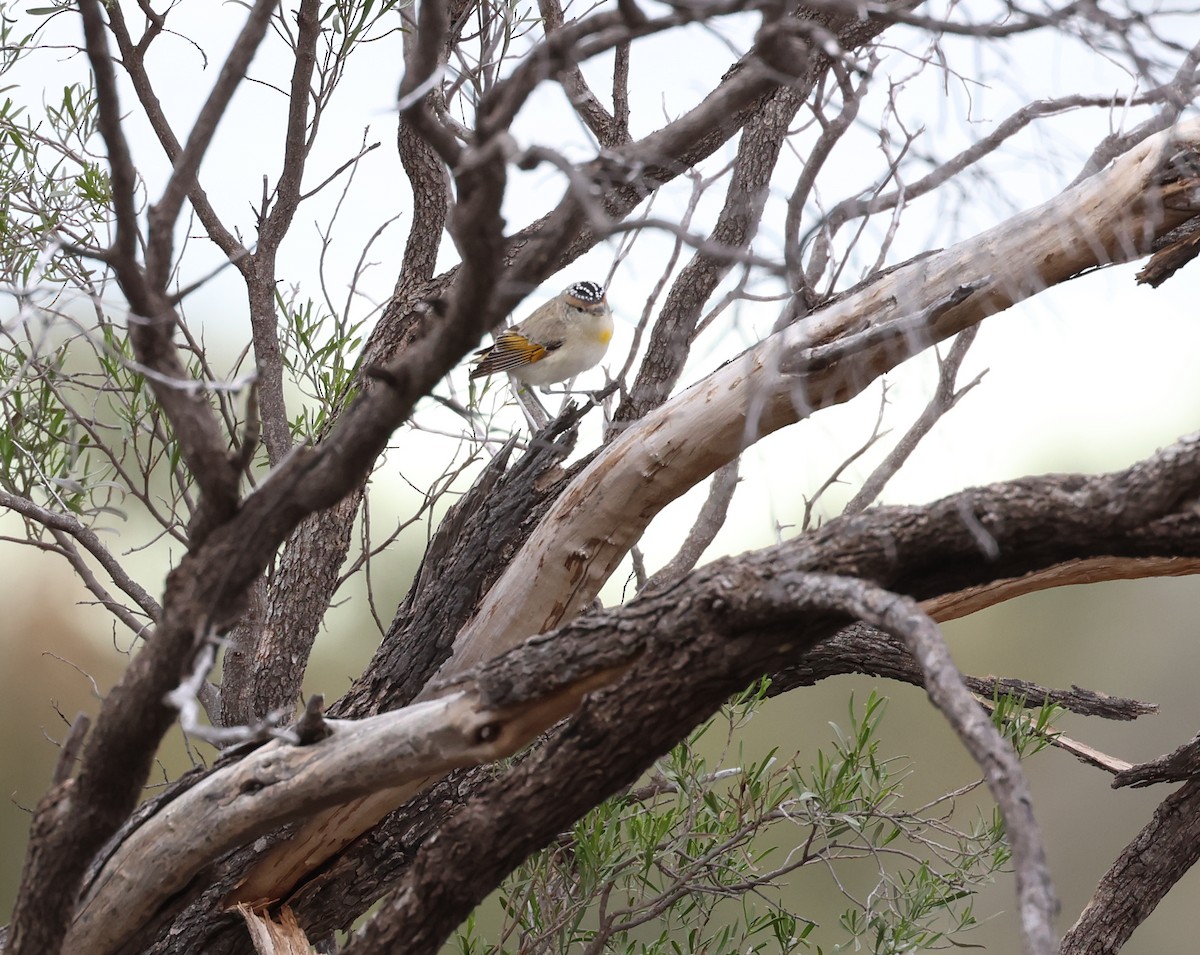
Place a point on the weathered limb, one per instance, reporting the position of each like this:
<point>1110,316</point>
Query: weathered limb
<point>711,640</point>
<point>1157,858</point>
<point>821,361</point>
<point>723,624</point>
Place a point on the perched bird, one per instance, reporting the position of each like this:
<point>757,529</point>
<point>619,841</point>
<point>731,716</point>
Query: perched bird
<point>567,335</point>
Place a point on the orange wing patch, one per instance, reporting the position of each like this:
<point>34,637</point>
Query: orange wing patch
<point>510,350</point>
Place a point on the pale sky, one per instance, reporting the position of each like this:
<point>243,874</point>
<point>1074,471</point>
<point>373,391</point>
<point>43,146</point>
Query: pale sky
<point>1091,375</point>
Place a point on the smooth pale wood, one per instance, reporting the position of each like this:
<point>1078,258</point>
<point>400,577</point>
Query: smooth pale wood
<point>281,782</point>
<point>1112,217</point>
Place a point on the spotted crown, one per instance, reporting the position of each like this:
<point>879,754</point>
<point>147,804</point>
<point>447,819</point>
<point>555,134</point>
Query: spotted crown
<point>590,292</point>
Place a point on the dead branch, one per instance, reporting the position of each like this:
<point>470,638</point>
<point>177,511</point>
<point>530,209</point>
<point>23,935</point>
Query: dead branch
<point>945,397</point>
<point>1157,858</point>
<point>872,652</point>
<point>792,374</point>
<point>708,523</point>
<point>1036,898</point>
<point>432,897</point>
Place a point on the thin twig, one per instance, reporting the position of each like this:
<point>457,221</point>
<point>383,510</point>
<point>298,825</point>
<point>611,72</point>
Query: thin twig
<point>944,398</point>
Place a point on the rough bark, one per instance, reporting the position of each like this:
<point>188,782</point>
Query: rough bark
<point>545,246</point>
<point>722,626</point>
<point>1166,848</point>
<point>822,360</point>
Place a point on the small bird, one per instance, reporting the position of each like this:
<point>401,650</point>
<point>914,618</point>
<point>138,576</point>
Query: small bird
<point>567,335</point>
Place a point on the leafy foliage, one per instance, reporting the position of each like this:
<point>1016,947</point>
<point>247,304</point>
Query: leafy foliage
<point>700,856</point>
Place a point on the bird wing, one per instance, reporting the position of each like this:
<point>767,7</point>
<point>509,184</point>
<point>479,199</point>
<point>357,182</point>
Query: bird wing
<point>510,350</point>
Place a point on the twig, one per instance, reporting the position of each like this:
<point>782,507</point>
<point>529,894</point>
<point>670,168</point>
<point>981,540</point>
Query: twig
<point>1182,763</point>
<point>902,616</point>
<point>877,432</point>
<point>944,398</point>
<point>185,698</point>
<point>708,522</point>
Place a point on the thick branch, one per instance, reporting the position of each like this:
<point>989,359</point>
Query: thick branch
<point>1110,218</point>
<point>856,543</point>
<point>722,634</point>
<point>605,510</point>
<point>533,253</point>
<point>726,623</point>
<point>1166,848</point>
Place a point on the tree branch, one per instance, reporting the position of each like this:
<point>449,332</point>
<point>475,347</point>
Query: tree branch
<point>604,511</point>
<point>945,397</point>
<point>1157,858</point>
<point>1036,898</point>
<point>160,242</point>
<point>791,374</point>
<point>70,525</point>
<point>723,634</point>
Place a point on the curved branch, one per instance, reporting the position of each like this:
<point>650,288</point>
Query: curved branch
<point>870,652</point>
<point>70,525</point>
<point>1110,218</point>
<point>606,508</point>
<point>1157,858</point>
<point>723,625</point>
<point>712,636</point>
<point>1036,898</point>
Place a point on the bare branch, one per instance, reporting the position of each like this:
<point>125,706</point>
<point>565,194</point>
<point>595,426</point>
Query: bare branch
<point>850,209</point>
<point>1007,27</point>
<point>133,61</point>
<point>708,522</point>
<point>1157,858</point>
<point>1175,97</point>
<point>715,639</point>
<point>736,225</point>
<point>1036,897</point>
<point>872,652</point>
<point>1181,764</point>
<point>68,524</point>
<point>877,432</point>
<point>944,398</point>
<point>121,171</point>
<point>599,120</point>
<point>831,132</point>
<point>164,213</point>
